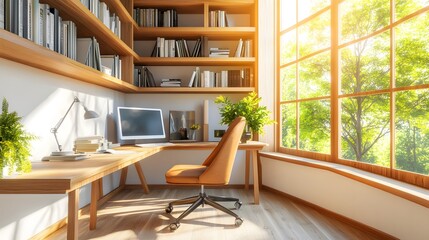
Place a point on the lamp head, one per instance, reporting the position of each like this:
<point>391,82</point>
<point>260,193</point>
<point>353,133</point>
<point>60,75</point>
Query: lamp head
<point>90,114</point>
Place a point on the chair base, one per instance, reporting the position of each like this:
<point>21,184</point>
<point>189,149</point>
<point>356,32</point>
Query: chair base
<point>201,199</point>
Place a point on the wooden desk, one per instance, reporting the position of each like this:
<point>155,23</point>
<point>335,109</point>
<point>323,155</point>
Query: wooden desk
<point>68,177</point>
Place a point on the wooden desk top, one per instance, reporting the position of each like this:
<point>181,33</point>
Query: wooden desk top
<point>62,177</point>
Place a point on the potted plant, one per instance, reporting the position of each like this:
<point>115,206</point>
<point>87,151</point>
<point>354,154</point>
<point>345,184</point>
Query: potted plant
<point>14,143</point>
<point>256,116</point>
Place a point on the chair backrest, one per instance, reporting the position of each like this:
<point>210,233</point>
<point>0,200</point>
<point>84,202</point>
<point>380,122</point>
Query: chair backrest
<point>219,163</point>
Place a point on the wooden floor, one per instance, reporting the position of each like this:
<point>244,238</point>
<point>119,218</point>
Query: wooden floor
<point>134,215</point>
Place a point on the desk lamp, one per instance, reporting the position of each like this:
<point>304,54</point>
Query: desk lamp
<point>88,115</point>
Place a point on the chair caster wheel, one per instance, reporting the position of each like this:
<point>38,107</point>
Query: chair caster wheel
<point>174,226</point>
<point>237,205</point>
<point>168,209</point>
<point>238,222</point>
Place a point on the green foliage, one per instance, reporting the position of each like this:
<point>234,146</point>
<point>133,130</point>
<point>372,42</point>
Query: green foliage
<point>14,141</point>
<point>256,116</point>
<point>365,67</point>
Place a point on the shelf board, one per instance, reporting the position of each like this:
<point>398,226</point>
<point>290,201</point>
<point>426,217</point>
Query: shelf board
<point>214,33</point>
<point>95,27</point>
<point>194,61</point>
<point>196,90</point>
<point>21,50</point>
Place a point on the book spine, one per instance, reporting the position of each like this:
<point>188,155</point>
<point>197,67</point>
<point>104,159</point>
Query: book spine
<point>2,15</point>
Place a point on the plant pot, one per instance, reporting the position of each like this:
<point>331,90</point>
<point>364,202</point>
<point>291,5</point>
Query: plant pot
<point>192,134</point>
<point>6,171</point>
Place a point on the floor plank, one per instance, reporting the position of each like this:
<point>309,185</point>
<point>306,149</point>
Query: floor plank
<point>134,215</point>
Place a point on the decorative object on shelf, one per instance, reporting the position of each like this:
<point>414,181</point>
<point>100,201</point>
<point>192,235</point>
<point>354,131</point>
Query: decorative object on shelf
<point>256,116</point>
<point>88,115</point>
<point>14,143</point>
<point>193,131</point>
<point>180,125</point>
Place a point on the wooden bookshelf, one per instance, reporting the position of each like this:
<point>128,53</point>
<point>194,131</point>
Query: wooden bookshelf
<point>195,90</point>
<point>18,49</point>
<point>147,36</point>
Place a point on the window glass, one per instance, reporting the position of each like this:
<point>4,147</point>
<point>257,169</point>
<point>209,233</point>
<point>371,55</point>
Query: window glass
<point>359,18</point>
<point>288,125</point>
<point>315,76</point>
<point>315,34</point>
<point>412,52</point>
<point>365,129</point>
<point>288,83</point>
<point>309,7</point>
<point>287,14</point>
<point>315,126</point>
<point>288,47</point>
<point>405,7</point>
<point>365,65</point>
<point>412,131</point>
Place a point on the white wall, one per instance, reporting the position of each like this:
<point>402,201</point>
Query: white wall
<point>370,206</point>
<point>42,98</point>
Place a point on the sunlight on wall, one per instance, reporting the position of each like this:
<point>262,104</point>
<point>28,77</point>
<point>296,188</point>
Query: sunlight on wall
<point>49,112</point>
<point>25,227</point>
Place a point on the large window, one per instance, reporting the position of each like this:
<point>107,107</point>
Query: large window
<point>353,81</point>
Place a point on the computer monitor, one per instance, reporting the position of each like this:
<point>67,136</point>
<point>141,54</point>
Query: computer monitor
<point>140,123</point>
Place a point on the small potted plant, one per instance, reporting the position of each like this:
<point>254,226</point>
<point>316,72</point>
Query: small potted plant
<point>193,133</point>
<point>14,143</point>
<point>256,116</point>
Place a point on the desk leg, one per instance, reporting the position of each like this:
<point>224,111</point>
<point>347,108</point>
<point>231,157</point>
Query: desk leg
<point>72,218</point>
<point>141,176</point>
<point>124,174</point>
<point>255,176</point>
<point>247,170</point>
<point>95,185</point>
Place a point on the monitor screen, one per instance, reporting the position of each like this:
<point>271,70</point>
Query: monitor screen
<point>140,123</point>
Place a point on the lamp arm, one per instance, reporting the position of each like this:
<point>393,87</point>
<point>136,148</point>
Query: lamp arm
<point>54,130</point>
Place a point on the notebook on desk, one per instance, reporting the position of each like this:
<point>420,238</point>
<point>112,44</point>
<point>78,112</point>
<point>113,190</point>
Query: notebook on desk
<point>160,144</point>
<point>73,157</point>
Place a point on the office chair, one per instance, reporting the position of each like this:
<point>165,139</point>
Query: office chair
<point>215,170</point>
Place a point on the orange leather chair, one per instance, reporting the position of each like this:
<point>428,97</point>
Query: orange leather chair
<point>215,170</point>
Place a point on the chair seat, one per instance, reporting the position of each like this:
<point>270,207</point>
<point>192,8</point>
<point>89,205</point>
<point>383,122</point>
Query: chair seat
<point>184,174</point>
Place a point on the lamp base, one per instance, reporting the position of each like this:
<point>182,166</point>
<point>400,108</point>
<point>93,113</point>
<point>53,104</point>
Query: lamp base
<point>62,153</point>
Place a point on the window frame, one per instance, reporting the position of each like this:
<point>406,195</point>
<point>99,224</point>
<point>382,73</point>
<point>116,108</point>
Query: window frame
<point>335,96</point>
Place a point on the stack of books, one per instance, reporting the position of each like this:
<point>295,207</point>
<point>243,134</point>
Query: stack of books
<point>219,52</point>
<point>172,82</point>
<point>88,144</point>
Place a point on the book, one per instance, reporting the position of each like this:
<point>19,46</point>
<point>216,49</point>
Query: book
<point>2,15</point>
<point>239,47</point>
<point>192,80</point>
<point>73,157</point>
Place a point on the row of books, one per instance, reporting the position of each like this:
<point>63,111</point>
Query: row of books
<point>171,82</point>
<point>225,78</point>
<point>143,77</point>
<point>102,12</point>
<point>40,23</point>
<point>219,52</point>
<point>88,53</point>
<point>244,48</point>
<point>218,19</point>
<point>88,144</point>
<point>176,48</point>
<point>16,17</point>
<point>153,17</point>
